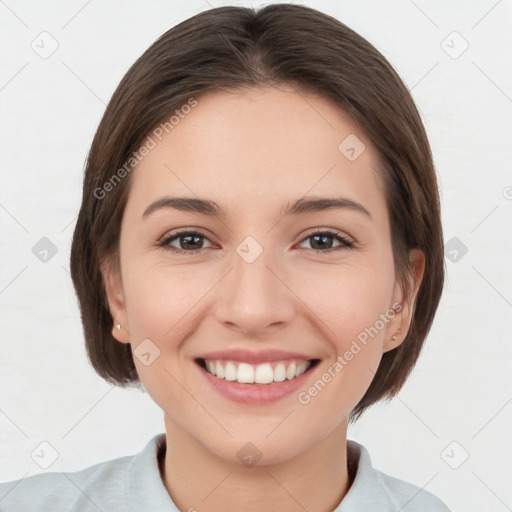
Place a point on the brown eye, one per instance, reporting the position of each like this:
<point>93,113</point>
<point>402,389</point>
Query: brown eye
<point>185,242</point>
<point>326,241</point>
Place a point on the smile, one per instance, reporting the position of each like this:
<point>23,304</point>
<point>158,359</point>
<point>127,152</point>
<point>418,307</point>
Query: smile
<point>263,373</point>
<point>256,377</point>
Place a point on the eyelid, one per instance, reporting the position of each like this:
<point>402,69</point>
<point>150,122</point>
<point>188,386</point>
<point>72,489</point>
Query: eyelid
<point>345,240</point>
<point>183,231</point>
<point>330,231</point>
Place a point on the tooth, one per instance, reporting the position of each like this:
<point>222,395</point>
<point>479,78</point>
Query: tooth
<point>279,373</point>
<point>264,374</point>
<point>230,371</point>
<point>211,367</point>
<point>290,371</point>
<point>301,368</point>
<point>219,369</point>
<point>245,373</point>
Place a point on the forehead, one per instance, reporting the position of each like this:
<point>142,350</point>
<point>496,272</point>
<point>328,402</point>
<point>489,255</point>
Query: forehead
<point>254,145</point>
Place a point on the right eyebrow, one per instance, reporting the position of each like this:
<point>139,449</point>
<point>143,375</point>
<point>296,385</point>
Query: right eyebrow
<point>186,204</point>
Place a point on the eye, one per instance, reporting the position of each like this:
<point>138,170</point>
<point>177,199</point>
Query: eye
<point>324,241</point>
<point>184,242</point>
<point>192,242</point>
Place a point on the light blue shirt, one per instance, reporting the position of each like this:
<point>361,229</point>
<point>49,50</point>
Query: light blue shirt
<point>133,484</point>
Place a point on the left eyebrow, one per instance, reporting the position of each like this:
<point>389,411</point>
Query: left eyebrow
<point>301,206</point>
<point>309,205</point>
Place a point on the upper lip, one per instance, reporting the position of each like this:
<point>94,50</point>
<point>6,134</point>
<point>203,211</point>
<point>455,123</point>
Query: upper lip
<point>253,357</point>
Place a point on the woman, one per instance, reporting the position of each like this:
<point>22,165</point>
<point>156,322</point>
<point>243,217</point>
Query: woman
<point>260,246</point>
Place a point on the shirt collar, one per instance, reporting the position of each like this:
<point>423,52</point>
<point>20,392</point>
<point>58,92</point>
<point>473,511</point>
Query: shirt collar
<point>367,489</point>
<point>146,490</point>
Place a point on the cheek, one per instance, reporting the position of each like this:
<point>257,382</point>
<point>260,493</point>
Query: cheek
<point>160,298</point>
<point>352,306</point>
<point>350,299</point>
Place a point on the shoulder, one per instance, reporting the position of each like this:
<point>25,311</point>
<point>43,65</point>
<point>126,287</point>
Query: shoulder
<point>103,486</point>
<point>77,490</point>
<point>372,489</point>
<point>410,497</point>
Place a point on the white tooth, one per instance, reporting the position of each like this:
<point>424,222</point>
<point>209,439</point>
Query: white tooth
<point>230,371</point>
<point>301,368</point>
<point>279,373</point>
<point>211,367</point>
<point>219,369</point>
<point>290,371</point>
<point>245,373</point>
<point>264,374</point>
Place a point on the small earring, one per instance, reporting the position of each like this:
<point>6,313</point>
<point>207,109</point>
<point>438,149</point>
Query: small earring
<point>118,327</point>
<point>395,336</point>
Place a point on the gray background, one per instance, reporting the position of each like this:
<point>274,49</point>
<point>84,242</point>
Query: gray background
<point>457,403</point>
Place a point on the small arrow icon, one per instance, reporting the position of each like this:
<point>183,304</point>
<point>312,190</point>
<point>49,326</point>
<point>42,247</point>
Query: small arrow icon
<point>44,44</point>
<point>44,455</point>
<point>146,352</point>
<point>454,45</point>
<point>455,455</point>
<point>351,147</point>
<point>44,250</point>
<point>249,455</point>
<point>455,249</point>
<point>249,249</point>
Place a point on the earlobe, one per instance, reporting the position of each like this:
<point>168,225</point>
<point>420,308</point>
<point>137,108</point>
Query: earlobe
<point>405,302</point>
<point>116,301</point>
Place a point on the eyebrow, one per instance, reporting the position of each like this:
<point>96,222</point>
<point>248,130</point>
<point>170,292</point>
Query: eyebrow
<point>301,206</point>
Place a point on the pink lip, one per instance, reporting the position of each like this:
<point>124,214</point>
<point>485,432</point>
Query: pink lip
<point>248,356</point>
<point>255,394</point>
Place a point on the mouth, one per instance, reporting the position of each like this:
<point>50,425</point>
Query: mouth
<point>264,373</point>
<point>258,382</point>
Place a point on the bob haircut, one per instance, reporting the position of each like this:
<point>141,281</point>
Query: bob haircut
<point>231,48</point>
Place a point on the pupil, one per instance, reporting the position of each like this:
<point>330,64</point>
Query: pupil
<point>323,240</point>
<point>189,239</point>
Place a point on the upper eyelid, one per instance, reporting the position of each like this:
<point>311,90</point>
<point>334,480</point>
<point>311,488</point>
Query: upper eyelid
<point>345,237</point>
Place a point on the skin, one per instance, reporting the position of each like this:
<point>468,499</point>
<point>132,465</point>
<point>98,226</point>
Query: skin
<point>253,151</point>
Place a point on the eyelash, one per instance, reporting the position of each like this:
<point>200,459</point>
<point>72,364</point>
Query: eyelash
<point>345,241</point>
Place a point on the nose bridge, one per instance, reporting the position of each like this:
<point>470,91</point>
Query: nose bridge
<point>253,298</point>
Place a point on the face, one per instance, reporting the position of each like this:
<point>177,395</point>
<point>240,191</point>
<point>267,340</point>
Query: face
<point>256,282</point>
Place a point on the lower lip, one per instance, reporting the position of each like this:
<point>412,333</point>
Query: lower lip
<point>255,394</point>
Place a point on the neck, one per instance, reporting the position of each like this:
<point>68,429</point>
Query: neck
<point>198,480</point>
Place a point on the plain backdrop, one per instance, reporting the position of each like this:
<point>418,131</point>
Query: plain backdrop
<point>449,428</point>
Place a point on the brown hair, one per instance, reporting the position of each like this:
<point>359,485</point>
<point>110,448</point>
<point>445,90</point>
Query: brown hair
<point>234,47</point>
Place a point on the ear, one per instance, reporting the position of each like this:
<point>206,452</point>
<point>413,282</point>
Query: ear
<point>403,302</point>
<point>116,300</point>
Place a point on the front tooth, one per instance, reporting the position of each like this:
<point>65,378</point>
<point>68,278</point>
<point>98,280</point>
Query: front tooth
<point>279,373</point>
<point>230,371</point>
<point>245,373</point>
<point>301,368</point>
<point>211,367</point>
<point>264,374</point>
<point>219,369</point>
<point>290,371</point>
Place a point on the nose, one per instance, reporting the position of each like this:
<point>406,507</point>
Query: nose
<point>254,299</point>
